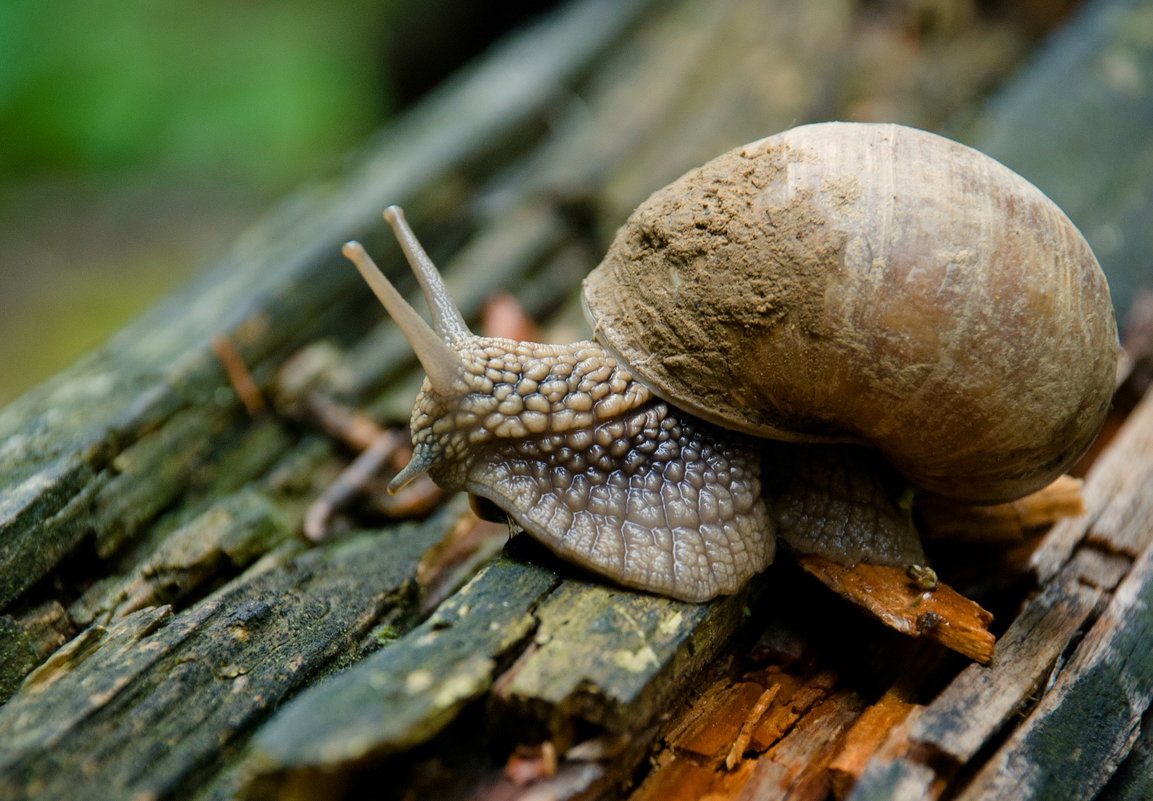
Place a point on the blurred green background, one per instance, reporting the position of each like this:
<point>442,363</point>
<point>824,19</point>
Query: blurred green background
<point>138,138</point>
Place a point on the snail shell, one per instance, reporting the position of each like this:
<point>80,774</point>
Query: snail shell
<point>863,284</point>
<point>869,283</point>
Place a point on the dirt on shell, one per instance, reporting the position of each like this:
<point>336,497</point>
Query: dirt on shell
<point>711,268</point>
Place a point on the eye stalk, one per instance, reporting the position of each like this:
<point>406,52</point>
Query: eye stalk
<point>440,362</point>
<point>438,347</point>
<point>446,317</point>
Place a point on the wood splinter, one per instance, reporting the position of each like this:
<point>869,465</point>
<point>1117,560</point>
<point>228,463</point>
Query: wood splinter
<point>887,593</point>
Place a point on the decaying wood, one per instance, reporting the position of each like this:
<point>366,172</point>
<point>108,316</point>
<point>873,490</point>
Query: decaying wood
<point>978,702</point>
<point>1088,720</point>
<point>167,632</point>
<point>881,723</point>
<point>408,691</point>
<point>732,739</point>
<point>199,678</point>
<point>899,602</point>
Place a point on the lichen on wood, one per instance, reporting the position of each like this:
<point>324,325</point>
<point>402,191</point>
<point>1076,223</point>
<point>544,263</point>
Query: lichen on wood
<point>200,679</point>
<point>174,629</point>
<point>408,691</point>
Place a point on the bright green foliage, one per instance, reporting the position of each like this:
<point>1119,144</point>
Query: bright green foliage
<point>262,92</point>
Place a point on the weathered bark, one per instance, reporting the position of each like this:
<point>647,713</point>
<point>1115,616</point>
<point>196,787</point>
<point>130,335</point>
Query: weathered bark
<point>167,633</point>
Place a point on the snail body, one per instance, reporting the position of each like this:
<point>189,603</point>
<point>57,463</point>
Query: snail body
<point>870,285</point>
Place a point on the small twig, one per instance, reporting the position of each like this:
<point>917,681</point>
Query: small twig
<point>238,375</point>
<point>350,482</point>
<point>356,430</point>
<point>381,451</point>
<point>741,744</point>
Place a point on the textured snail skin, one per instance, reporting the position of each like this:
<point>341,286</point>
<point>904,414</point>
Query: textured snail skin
<point>583,457</point>
<point>869,283</point>
<point>596,468</point>
<point>843,502</point>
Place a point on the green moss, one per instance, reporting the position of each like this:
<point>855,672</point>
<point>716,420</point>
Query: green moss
<point>17,657</point>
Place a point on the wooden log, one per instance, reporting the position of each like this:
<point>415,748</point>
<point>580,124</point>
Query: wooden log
<point>149,521</point>
<point>407,692</point>
<point>1089,719</point>
<point>148,705</point>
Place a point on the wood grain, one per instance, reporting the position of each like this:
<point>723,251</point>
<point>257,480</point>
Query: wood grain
<point>165,632</point>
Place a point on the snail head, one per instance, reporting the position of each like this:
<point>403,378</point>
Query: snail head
<point>582,456</point>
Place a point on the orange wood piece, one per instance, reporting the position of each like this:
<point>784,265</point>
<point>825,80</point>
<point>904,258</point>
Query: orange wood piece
<point>887,593</point>
<point>238,375</point>
<point>876,725</point>
<point>719,719</point>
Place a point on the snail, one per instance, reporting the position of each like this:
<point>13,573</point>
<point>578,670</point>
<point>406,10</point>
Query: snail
<point>788,340</point>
